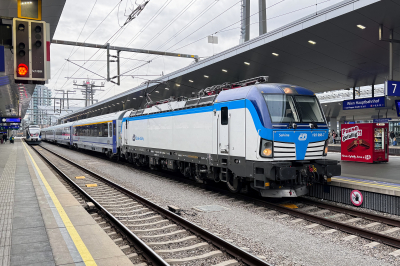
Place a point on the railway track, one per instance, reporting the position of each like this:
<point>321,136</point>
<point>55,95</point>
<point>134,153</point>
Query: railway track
<point>146,232</point>
<point>376,228</point>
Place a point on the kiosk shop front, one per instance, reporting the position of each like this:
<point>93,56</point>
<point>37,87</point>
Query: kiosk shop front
<point>367,142</point>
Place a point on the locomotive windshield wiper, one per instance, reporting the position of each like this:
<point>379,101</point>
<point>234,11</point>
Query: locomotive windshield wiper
<point>292,124</point>
<point>313,124</point>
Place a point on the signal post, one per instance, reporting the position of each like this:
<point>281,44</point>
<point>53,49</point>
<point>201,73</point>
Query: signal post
<point>24,52</point>
<point>31,44</point>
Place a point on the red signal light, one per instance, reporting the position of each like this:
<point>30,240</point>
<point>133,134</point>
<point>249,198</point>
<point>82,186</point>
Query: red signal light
<point>22,69</point>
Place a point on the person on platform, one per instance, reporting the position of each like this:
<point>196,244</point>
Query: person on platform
<point>392,135</point>
<point>394,142</point>
<point>4,138</point>
<point>334,136</point>
<point>12,139</point>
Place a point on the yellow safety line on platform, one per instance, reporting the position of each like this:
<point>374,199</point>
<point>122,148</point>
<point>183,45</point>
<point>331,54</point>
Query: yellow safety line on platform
<point>80,245</point>
<point>365,183</point>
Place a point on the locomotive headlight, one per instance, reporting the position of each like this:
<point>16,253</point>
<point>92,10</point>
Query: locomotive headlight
<point>267,152</point>
<point>326,148</point>
<point>266,149</point>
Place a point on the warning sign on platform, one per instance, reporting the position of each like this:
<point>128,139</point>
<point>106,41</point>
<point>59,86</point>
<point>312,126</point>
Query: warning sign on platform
<point>356,198</point>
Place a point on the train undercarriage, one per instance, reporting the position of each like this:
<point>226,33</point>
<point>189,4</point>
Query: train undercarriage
<point>270,179</point>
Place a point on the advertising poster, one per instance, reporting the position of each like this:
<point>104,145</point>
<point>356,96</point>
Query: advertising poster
<point>356,142</point>
<point>365,142</point>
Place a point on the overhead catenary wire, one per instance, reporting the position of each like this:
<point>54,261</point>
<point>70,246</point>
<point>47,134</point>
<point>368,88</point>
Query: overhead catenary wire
<point>191,22</point>
<point>142,30</point>
<point>223,29</point>
<point>181,29</point>
<point>141,9</point>
<point>133,68</point>
<point>144,27</point>
<point>71,54</point>
<point>185,27</point>
<point>157,57</point>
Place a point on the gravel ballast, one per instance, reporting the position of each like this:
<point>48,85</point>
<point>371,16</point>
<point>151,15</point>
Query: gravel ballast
<point>259,230</point>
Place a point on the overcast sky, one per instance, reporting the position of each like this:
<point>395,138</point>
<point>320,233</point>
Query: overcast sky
<point>166,25</point>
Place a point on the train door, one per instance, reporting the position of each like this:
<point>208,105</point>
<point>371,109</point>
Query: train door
<point>125,132</point>
<point>223,131</point>
<point>71,135</point>
<point>109,133</point>
<point>114,135</point>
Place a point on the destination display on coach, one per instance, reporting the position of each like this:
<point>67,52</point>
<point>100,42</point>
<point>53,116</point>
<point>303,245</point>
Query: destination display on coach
<point>364,103</point>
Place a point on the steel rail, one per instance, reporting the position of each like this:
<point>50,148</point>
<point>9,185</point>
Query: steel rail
<point>238,253</point>
<point>369,216</point>
<point>151,257</point>
<point>377,237</point>
<point>373,236</point>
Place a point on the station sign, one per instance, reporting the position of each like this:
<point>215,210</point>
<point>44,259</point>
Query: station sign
<point>382,120</point>
<point>397,103</point>
<point>392,88</point>
<point>10,119</point>
<point>364,103</point>
<point>2,59</point>
<point>9,127</point>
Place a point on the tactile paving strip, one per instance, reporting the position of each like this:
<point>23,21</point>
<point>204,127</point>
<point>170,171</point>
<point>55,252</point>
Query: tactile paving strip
<point>7,186</point>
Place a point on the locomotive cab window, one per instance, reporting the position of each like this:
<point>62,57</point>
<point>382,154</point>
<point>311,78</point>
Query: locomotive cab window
<point>224,115</point>
<point>297,108</point>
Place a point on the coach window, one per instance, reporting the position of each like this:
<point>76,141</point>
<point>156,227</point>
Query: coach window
<point>224,115</point>
<point>95,131</point>
<point>105,130</point>
<point>113,129</point>
<point>100,130</point>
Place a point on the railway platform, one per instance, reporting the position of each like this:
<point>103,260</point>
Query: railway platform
<point>41,222</point>
<point>381,178</point>
<point>375,186</point>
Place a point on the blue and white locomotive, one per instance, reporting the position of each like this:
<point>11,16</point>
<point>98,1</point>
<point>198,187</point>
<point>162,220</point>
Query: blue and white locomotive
<point>272,138</point>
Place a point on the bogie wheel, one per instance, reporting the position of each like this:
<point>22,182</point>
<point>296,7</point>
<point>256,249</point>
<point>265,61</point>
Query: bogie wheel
<point>198,179</point>
<point>234,184</point>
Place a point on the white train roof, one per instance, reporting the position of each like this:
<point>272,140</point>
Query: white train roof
<point>99,119</point>
<point>58,126</point>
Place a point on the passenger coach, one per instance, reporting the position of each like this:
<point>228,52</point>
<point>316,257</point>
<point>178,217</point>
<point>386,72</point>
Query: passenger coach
<point>98,133</point>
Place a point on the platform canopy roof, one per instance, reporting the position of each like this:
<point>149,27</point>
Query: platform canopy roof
<point>322,52</point>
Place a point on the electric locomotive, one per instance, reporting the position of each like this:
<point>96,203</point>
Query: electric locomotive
<point>272,138</point>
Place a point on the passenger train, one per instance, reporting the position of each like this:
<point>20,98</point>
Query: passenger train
<point>272,138</point>
<point>33,135</point>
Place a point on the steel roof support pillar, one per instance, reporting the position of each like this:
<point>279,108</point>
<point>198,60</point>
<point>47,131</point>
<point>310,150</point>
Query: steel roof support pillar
<point>245,28</point>
<point>262,16</point>
<point>373,90</point>
<point>354,92</point>
<point>391,56</point>
<point>108,62</point>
